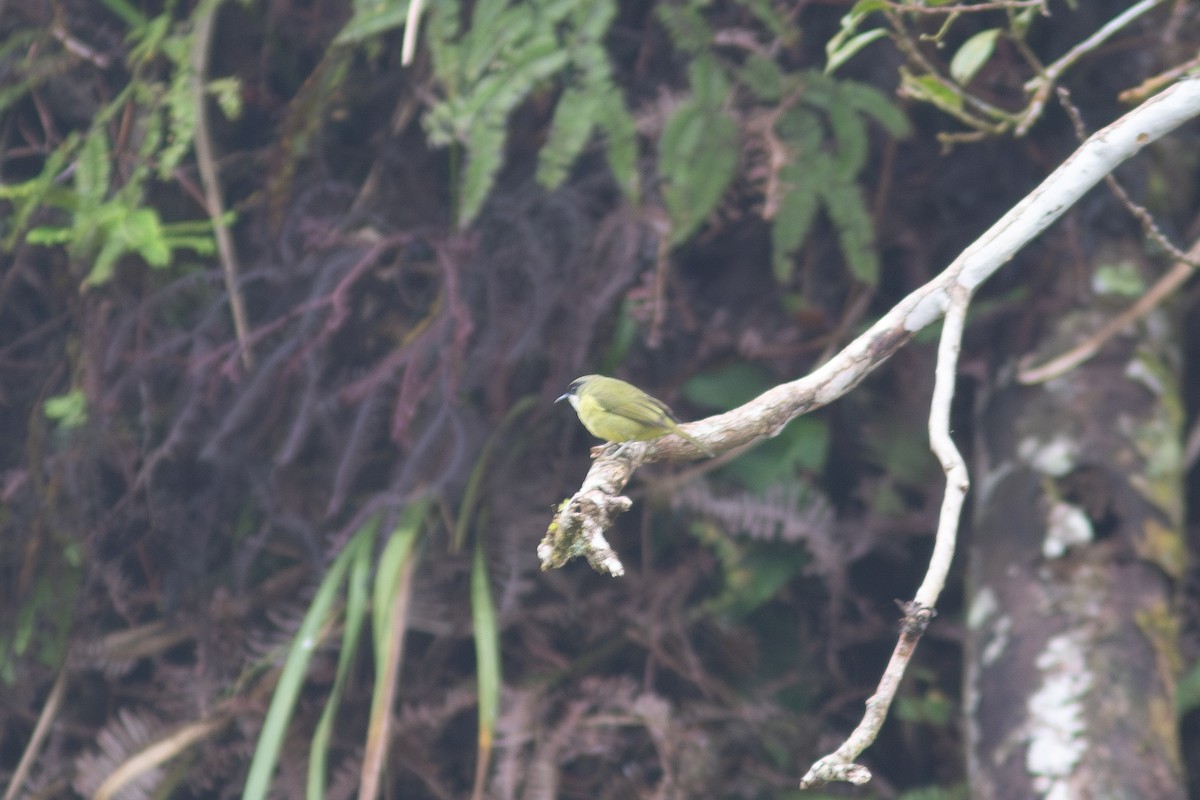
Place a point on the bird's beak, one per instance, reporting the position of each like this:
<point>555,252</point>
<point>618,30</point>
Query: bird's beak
<point>564,397</point>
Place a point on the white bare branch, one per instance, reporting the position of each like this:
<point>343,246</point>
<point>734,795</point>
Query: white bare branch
<point>578,528</point>
<point>581,521</point>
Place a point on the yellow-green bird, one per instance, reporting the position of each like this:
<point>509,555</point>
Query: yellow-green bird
<point>616,411</point>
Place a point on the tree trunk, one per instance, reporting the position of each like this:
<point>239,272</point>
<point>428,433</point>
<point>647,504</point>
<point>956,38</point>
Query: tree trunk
<point>1076,553</point>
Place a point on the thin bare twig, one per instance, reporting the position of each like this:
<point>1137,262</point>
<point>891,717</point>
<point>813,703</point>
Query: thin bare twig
<point>1041,86</point>
<point>1166,286</point>
<point>1149,225</point>
<point>1156,82</point>
<point>411,23</point>
<point>1001,5</point>
<point>49,713</point>
<point>1183,269</point>
<point>839,765</point>
<point>205,17</point>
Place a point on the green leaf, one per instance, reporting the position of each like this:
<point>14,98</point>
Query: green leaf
<point>391,565</point>
<point>762,76</point>
<point>875,104</point>
<point>686,26</point>
<point>756,575</point>
<point>1187,696</point>
<point>359,553</point>
<point>592,18</point>
<point>495,33</point>
<point>775,22</point>
<point>147,40</point>
<point>1119,279</point>
<point>104,262</point>
<point>845,50</point>
<point>727,387</point>
<point>228,93</point>
<point>930,89</point>
<point>698,154</point>
<point>128,14</point>
<point>141,231</point>
<point>48,236</point>
<point>1018,23</point>
<point>574,118</point>
<point>291,680</point>
<point>487,647</point>
<point>93,171</point>
<point>181,121</point>
<point>796,212</point>
<point>509,51</point>
<point>843,45</point>
<point>803,445</point>
<point>68,410</point>
<point>829,151</point>
<point>486,112</point>
<point>850,135</point>
<point>710,87</point>
<point>974,53</point>
<point>391,596</point>
<point>621,143</point>
<point>372,19</point>
<point>856,234</point>
<point>485,145</point>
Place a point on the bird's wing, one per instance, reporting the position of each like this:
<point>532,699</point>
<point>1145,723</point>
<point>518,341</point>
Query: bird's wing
<point>645,409</point>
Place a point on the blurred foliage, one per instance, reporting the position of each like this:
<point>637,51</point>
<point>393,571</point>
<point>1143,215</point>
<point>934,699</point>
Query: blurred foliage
<point>488,67</point>
<point>67,410</point>
<point>1187,698</point>
<point>43,625</point>
<point>811,129</point>
<point>800,448</point>
<point>698,151</point>
<point>950,84</point>
<point>109,217</point>
<point>777,475</point>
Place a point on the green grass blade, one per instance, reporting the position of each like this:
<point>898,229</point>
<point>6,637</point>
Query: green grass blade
<point>487,662</point>
<point>466,509</point>
<point>291,679</point>
<point>392,592</point>
<point>358,581</point>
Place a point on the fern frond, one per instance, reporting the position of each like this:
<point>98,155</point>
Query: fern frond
<point>847,209</point>
<point>686,26</point>
<point>121,738</point>
<point>698,151</point>
<point>786,512</point>
<point>827,134</point>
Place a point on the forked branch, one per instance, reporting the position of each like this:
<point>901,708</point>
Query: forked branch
<point>579,526</point>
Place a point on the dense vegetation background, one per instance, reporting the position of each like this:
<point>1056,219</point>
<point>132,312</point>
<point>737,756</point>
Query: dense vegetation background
<point>282,317</point>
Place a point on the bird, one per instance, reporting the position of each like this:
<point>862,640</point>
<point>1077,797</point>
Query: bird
<point>616,411</point>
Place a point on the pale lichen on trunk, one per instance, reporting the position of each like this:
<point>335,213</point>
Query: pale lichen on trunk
<point>1074,561</point>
